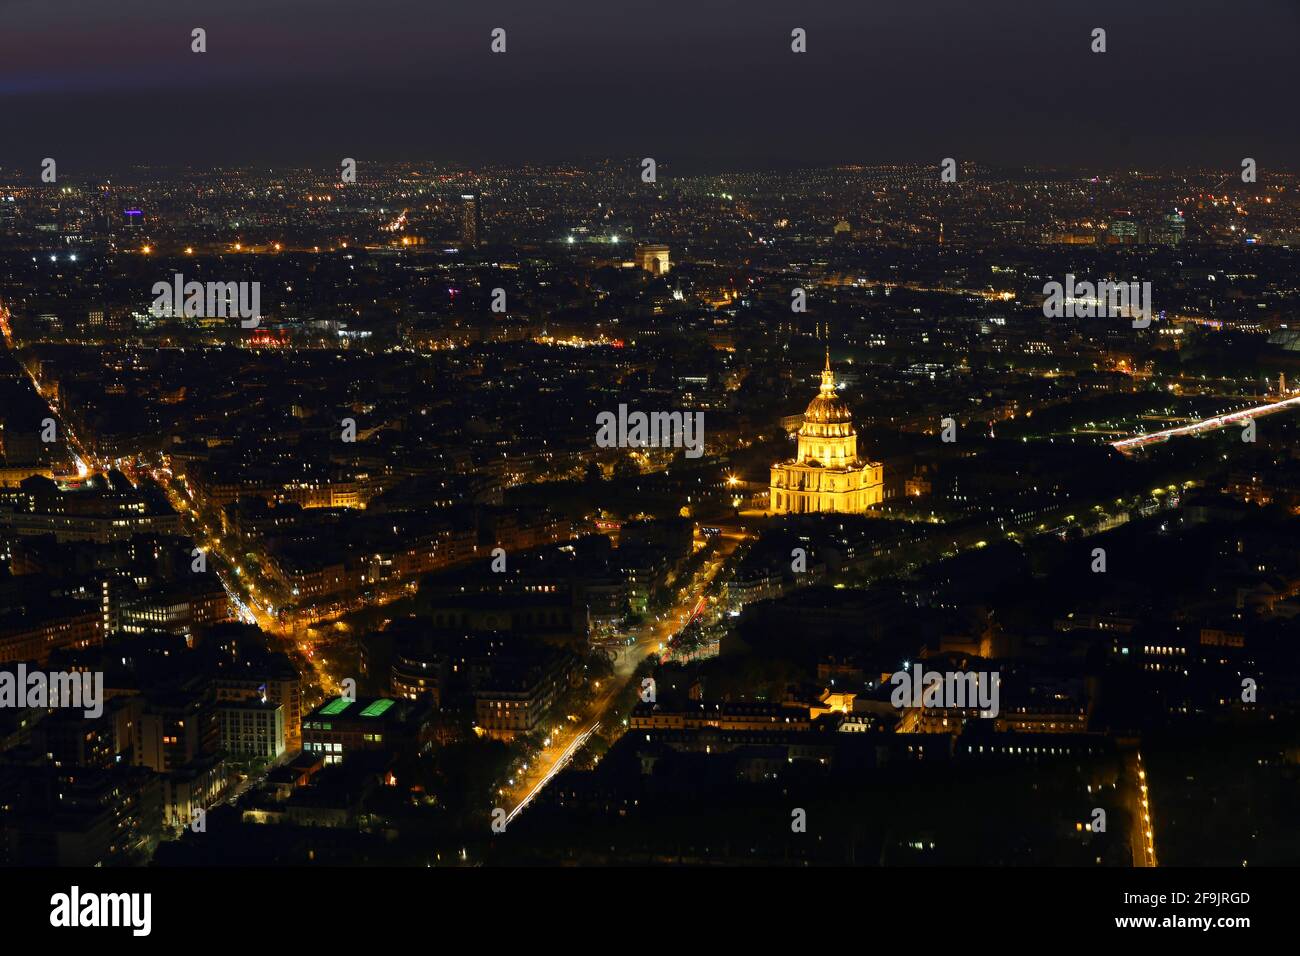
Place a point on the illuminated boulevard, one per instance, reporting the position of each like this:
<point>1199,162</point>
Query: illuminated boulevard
<point>651,637</point>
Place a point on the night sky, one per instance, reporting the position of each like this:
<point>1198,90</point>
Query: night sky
<point>698,85</point>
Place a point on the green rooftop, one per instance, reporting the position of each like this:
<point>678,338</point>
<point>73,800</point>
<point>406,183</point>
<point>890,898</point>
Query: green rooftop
<point>336,707</point>
<point>378,707</point>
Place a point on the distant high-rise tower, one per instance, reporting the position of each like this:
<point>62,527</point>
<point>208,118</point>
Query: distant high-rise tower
<point>471,220</point>
<point>1172,230</point>
<point>1123,231</point>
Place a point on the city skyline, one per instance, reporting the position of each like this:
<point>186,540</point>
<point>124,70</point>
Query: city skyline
<point>648,437</point>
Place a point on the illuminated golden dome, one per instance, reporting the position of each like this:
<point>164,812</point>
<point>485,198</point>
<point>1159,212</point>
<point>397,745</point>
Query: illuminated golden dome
<point>828,415</point>
<point>828,410</point>
<point>826,473</point>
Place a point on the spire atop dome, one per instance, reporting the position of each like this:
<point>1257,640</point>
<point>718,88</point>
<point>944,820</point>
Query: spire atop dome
<point>828,377</point>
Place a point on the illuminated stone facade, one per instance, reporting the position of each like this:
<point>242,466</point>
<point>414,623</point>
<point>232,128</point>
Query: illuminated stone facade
<point>826,474</point>
<point>653,259</point>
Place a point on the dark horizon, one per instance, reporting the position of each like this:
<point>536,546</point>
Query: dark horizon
<point>1201,83</point>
